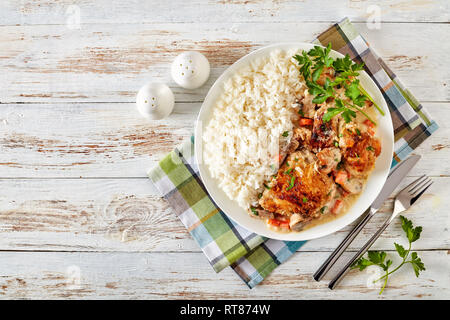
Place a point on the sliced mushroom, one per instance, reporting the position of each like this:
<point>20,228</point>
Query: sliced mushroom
<point>328,159</point>
<point>293,145</point>
<point>297,222</point>
<point>302,134</point>
<point>260,213</point>
<point>353,185</point>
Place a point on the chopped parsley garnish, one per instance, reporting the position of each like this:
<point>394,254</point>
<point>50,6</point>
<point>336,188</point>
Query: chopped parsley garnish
<point>305,199</point>
<point>254,211</point>
<point>336,144</point>
<point>260,195</point>
<point>289,171</point>
<point>358,132</point>
<point>291,183</point>
<point>266,186</point>
<point>322,210</point>
<point>313,62</point>
<point>370,148</point>
<point>285,134</point>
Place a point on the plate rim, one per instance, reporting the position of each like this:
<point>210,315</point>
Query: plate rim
<point>291,236</point>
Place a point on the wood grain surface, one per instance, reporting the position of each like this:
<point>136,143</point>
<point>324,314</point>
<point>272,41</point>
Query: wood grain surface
<point>79,218</point>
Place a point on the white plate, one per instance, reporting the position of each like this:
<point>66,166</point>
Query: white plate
<point>239,215</point>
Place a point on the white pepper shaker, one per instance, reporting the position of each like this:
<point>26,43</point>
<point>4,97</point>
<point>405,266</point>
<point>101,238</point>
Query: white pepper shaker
<point>155,101</point>
<point>190,69</point>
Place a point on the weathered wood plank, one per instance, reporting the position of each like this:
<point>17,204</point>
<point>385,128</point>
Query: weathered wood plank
<point>104,11</point>
<point>128,215</point>
<point>110,62</point>
<point>113,140</point>
<point>44,275</point>
<point>87,140</point>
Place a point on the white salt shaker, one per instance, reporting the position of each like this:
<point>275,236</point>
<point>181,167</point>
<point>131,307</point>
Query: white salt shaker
<point>190,69</point>
<point>155,101</point>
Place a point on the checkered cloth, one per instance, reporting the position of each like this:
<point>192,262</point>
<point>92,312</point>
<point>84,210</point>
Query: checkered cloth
<point>225,243</point>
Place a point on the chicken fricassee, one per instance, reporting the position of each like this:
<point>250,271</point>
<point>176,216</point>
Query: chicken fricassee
<point>320,177</point>
<point>292,137</point>
<point>332,151</point>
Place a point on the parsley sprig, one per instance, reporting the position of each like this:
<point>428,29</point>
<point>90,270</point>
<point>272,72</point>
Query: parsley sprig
<point>312,64</point>
<point>378,258</point>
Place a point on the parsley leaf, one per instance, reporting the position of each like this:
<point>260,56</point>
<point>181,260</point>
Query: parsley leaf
<point>361,264</point>
<point>401,251</point>
<point>314,88</point>
<point>412,233</point>
<point>378,257</point>
<point>314,62</point>
<point>321,98</point>
<point>348,114</point>
<point>317,72</point>
<point>352,90</point>
<point>331,112</point>
<point>357,66</point>
<point>342,64</point>
<point>306,63</point>
<point>417,264</point>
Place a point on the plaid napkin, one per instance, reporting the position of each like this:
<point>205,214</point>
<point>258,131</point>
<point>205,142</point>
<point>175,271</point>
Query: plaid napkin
<point>251,256</point>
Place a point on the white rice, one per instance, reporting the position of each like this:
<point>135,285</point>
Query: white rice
<point>245,134</point>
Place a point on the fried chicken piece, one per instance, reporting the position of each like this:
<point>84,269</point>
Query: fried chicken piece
<point>353,185</point>
<point>298,188</point>
<point>328,159</point>
<point>302,134</point>
<point>260,213</point>
<point>360,149</point>
<point>324,134</point>
<point>300,137</point>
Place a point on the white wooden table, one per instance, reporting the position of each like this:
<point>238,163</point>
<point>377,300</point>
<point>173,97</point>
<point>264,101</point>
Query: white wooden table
<point>79,218</point>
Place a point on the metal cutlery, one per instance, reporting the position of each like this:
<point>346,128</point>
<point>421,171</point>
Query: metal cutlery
<point>393,180</point>
<point>403,202</point>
